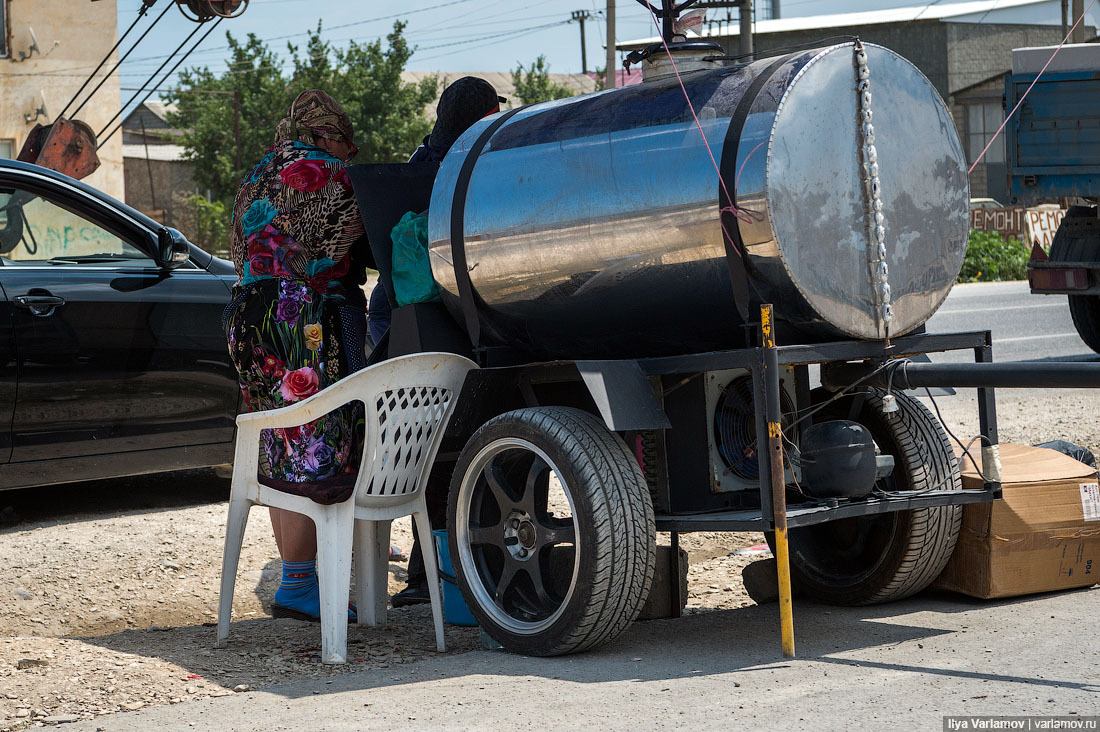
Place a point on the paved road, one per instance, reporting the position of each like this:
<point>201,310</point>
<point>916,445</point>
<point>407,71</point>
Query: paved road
<point>892,667</point>
<point>1025,327</point>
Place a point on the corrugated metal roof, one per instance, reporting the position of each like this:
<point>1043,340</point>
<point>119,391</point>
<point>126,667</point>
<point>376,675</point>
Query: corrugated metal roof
<point>159,108</point>
<point>925,11</point>
<point>167,153</point>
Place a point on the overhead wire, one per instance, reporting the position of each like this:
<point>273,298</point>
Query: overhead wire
<point>171,71</point>
<point>119,62</point>
<point>151,76</point>
<point>141,14</point>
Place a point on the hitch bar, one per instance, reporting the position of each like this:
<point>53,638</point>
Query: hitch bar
<point>905,374</point>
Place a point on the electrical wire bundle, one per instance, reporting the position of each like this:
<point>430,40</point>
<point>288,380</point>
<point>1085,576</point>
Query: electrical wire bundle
<point>148,87</point>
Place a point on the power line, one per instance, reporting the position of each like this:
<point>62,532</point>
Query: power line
<point>171,71</point>
<point>159,68</point>
<point>119,62</point>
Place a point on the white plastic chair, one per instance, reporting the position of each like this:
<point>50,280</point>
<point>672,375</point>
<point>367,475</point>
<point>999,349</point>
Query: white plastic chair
<point>408,402</point>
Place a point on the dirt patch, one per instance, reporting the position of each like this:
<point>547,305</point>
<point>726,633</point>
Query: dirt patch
<point>108,605</point>
<point>112,611</point>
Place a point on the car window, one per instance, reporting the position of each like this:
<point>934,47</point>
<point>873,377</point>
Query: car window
<point>34,230</point>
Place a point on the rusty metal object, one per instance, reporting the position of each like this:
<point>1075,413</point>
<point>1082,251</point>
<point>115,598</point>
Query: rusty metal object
<point>203,10</point>
<point>67,146</point>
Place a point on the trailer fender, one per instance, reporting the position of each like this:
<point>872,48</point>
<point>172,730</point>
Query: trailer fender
<point>617,391</point>
<point>623,395</point>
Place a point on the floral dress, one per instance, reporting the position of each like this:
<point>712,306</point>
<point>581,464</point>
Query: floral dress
<point>294,223</point>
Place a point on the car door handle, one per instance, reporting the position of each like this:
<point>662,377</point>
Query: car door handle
<point>39,304</point>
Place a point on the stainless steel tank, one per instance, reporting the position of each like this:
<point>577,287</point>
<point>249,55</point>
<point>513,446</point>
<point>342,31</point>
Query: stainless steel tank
<point>590,226</point>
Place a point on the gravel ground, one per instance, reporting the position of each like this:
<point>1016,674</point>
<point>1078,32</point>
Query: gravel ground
<point>108,604</point>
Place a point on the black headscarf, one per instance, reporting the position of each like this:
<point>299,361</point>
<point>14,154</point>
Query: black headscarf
<point>462,103</point>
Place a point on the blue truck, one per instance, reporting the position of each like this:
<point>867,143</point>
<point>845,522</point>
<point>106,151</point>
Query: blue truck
<point>1052,148</point>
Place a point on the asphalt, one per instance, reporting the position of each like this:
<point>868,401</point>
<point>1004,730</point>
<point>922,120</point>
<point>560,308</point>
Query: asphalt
<point>1025,327</point>
<point>898,666</point>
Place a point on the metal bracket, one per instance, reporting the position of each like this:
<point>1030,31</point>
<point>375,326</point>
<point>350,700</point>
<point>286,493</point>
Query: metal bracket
<point>623,395</point>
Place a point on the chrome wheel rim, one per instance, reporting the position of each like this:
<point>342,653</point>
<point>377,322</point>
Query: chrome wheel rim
<point>514,551</point>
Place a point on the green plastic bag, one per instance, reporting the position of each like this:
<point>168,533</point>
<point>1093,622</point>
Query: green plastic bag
<point>412,273</point>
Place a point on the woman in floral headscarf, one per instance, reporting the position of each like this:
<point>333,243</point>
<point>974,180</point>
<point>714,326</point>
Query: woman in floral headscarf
<point>295,221</point>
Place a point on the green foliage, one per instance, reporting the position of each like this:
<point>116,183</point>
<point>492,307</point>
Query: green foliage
<point>992,258</point>
<point>388,115</point>
<point>533,84</point>
<point>205,223</point>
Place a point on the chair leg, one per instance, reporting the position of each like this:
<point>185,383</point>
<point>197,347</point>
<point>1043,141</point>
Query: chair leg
<point>335,527</point>
<point>431,567</point>
<point>234,538</point>
<point>372,564</point>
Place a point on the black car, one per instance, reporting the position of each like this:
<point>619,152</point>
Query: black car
<point>112,357</point>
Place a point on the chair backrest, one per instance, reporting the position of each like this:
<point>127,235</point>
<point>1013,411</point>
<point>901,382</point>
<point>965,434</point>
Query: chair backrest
<point>409,401</point>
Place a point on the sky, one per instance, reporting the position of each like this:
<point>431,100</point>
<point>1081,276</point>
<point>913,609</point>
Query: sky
<point>449,35</point>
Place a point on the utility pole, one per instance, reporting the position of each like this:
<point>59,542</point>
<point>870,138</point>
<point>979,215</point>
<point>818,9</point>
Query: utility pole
<point>580,16</point>
<point>745,16</point>
<point>1065,18</point>
<point>609,71</point>
<point>237,125</point>
<point>746,30</point>
<point>1079,31</point>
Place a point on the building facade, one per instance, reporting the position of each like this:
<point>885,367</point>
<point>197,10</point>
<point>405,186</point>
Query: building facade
<point>964,49</point>
<point>49,49</point>
<point>159,180</point>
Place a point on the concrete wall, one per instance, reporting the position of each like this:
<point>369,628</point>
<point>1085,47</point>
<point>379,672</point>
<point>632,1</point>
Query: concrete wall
<point>922,42</point>
<point>171,180</point>
<point>73,36</point>
<point>977,52</point>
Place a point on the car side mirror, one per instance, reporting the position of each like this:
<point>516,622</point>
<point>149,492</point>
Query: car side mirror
<point>173,248</point>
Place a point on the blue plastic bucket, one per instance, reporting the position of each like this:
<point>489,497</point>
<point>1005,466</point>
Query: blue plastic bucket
<point>455,611</point>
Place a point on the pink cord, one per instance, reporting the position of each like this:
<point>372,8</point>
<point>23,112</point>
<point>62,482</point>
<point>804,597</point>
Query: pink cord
<point>1009,115</point>
<point>739,213</point>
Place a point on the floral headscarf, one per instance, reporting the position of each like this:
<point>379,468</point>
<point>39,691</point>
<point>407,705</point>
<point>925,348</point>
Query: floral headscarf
<point>315,114</point>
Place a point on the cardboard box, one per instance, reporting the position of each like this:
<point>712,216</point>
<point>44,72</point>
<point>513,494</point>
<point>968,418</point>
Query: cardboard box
<point>1042,535</point>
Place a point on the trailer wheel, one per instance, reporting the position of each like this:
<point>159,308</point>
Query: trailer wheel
<point>551,531</point>
<point>871,559</point>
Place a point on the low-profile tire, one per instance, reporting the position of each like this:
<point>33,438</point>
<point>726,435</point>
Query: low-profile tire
<point>873,559</point>
<point>538,582</point>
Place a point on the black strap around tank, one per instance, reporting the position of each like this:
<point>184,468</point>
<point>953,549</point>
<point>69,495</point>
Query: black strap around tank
<point>735,250</point>
<point>458,222</point>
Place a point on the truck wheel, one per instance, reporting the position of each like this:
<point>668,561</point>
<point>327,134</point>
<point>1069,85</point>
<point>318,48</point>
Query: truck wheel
<point>1072,245</point>
<point>871,559</point>
<point>1085,311</point>
<point>551,531</point>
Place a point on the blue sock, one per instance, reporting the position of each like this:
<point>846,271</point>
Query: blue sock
<point>299,590</point>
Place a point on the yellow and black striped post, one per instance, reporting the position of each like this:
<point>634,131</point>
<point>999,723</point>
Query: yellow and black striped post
<point>778,488</point>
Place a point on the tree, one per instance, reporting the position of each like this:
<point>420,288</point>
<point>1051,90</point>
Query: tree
<point>205,106</point>
<point>533,84</point>
<point>387,114</point>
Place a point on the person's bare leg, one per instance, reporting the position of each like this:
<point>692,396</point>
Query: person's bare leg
<point>295,535</point>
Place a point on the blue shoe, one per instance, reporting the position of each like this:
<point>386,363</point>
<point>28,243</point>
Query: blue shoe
<point>282,611</point>
<point>302,603</point>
